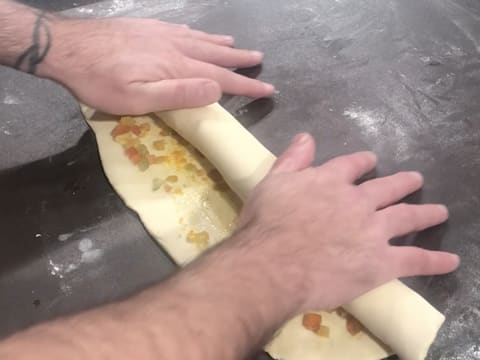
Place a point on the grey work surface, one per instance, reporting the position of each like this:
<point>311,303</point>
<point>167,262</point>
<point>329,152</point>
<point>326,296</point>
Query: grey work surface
<point>400,77</point>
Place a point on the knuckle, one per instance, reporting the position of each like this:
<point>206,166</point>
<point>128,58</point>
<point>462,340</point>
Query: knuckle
<point>180,93</point>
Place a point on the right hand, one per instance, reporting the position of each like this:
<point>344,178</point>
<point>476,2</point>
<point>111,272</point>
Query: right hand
<point>324,240</point>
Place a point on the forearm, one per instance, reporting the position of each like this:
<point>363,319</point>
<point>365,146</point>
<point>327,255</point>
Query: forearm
<point>221,307</point>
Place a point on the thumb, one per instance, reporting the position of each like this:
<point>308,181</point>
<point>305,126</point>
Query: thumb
<point>298,156</point>
<point>174,94</point>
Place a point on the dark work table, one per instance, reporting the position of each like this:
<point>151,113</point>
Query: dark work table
<point>399,77</point>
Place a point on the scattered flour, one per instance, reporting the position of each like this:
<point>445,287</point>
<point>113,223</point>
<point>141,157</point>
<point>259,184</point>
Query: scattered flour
<point>64,237</point>
<point>89,254</point>
<point>369,121</point>
<point>382,133</point>
<point>11,100</point>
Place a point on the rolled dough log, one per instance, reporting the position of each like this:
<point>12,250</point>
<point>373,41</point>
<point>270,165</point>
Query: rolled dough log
<point>241,159</point>
<point>394,313</point>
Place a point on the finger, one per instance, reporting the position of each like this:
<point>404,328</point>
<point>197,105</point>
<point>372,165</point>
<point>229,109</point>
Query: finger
<point>174,25</point>
<point>230,82</point>
<point>184,31</point>
<point>388,190</point>
<point>403,219</point>
<point>413,261</point>
<point>223,40</point>
<point>173,94</point>
<point>218,55</point>
<point>298,156</point>
<point>351,167</point>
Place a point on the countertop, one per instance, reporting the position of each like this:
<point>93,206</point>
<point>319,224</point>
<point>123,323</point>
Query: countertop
<point>399,77</point>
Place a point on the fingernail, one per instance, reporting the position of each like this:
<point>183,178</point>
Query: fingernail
<point>269,88</point>
<point>228,38</point>
<point>456,260</point>
<point>300,139</point>
<point>257,55</point>
<point>418,175</point>
<point>373,156</point>
<point>445,209</point>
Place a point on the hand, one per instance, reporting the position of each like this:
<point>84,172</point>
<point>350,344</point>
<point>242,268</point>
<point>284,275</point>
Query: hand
<point>324,240</point>
<point>135,66</point>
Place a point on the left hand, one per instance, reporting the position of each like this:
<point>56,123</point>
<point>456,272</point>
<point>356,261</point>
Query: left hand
<point>135,66</point>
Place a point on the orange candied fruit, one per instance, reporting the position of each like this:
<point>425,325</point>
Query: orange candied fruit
<point>135,129</point>
<point>353,325</point>
<point>120,129</point>
<point>312,321</point>
<point>133,155</point>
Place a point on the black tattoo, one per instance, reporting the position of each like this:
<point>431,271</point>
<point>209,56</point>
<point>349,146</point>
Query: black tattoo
<point>41,42</point>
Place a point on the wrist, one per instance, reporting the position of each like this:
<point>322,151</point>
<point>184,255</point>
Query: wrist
<point>227,301</point>
<point>240,276</point>
<point>25,36</point>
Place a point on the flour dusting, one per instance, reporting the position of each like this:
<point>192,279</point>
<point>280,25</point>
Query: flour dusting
<point>89,254</point>
<point>369,121</point>
<point>11,100</point>
<point>64,237</point>
<point>381,132</point>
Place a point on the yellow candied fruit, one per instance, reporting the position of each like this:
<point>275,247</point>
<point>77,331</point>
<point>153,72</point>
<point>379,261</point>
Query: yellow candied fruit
<point>156,184</point>
<point>190,167</point>
<point>180,162</point>
<point>124,138</point>
<point>172,178</point>
<point>178,191</point>
<point>198,238</point>
<point>178,152</point>
<point>159,145</point>
<point>145,127</point>
<point>164,132</point>
<point>127,120</point>
<point>323,331</point>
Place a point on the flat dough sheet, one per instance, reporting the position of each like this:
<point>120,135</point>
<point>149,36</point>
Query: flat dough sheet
<point>393,313</point>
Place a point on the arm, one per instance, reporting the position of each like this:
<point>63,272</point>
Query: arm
<point>201,313</point>
<point>125,65</point>
<point>308,238</point>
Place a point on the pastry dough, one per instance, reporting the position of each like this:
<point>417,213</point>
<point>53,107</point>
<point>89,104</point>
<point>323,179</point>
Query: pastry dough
<point>393,313</point>
<point>241,159</point>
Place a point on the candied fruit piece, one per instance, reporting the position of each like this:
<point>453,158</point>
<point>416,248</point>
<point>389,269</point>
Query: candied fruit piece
<point>312,321</point>
<point>156,184</point>
<point>127,120</point>
<point>172,178</point>
<point>324,331</point>
<point>159,145</point>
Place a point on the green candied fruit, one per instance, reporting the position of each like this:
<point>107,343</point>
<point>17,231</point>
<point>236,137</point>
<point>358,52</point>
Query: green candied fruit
<point>156,184</point>
<point>143,164</point>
